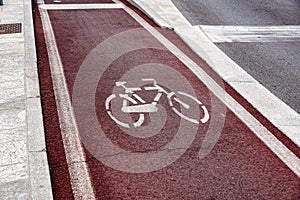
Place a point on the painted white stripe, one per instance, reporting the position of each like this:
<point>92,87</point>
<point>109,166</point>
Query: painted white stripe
<point>252,33</point>
<point>79,175</point>
<point>139,98</point>
<point>283,117</point>
<point>81,6</point>
<point>288,157</point>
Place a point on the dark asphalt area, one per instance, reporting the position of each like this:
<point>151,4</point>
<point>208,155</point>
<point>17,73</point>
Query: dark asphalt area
<point>239,167</point>
<point>275,65</point>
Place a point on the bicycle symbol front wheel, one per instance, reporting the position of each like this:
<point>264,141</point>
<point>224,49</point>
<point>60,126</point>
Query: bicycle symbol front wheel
<point>120,100</point>
<point>187,102</point>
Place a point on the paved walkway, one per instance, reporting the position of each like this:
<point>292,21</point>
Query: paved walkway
<point>24,171</point>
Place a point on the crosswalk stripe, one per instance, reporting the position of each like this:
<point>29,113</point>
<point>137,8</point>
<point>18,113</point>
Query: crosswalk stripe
<point>219,34</point>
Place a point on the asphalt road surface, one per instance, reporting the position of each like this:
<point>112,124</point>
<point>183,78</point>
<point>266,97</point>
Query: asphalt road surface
<point>85,56</point>
<point>275,64</point>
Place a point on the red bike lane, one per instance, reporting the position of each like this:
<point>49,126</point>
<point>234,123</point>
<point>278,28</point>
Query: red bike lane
<point>157,158</point>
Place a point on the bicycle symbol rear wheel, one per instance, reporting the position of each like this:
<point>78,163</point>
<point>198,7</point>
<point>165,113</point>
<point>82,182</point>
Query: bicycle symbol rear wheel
<point>123,99</point>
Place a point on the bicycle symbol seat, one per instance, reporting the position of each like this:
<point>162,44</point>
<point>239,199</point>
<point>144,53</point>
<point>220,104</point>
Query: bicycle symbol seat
<point>133,103</point>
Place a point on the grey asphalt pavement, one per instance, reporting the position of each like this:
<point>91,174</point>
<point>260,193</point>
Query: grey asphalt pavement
<point>273,64</point>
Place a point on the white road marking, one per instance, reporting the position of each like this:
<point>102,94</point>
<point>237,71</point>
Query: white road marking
<point>68,121</point>
<point>283,117</point>
<point>140,121</point>
<point>251,33</point>
<point>287,157</point>
<point>81,6</point>
<point>139,98</point>
<point>108,100</point>
<point>117,121</point>
<point>79,175</point>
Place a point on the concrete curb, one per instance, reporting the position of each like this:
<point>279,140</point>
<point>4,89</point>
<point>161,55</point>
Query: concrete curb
<point>166,15</point>
<point>37,156</point>
<point>149,11</point>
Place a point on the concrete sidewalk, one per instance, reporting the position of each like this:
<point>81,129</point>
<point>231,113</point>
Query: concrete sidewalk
<point>24,171</point>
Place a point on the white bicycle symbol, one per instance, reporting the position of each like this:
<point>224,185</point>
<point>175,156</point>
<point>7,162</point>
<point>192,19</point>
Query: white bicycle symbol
<point>140,106</point>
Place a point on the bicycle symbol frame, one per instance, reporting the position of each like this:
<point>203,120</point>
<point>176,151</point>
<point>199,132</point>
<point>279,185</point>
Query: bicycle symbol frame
<point>140,106</point>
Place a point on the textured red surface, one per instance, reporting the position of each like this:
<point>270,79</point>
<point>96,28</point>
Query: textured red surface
<point>56,155</point>
<point>239,167</point>
<point>277,133</point>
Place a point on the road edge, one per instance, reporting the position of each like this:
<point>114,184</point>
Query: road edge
<point>166,15</point>
<point>40,182</point>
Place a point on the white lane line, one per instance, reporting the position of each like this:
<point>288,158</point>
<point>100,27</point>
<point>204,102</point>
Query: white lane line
<point>251,33</point>
<point>81,6</point>
<point>79,175</point>
<point>287,157</point>
<point>283,117</point>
